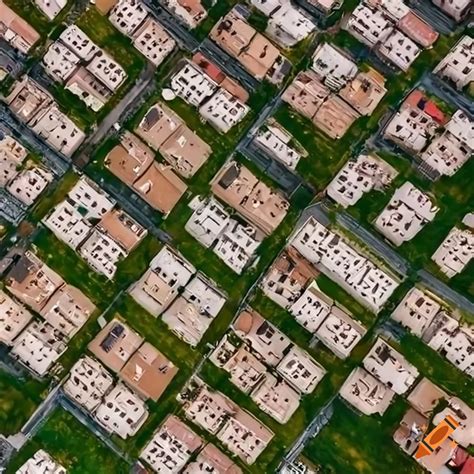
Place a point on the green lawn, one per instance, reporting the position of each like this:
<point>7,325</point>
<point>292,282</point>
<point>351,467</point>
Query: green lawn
<point>353,444</point>
<point>72,445</point>
<point>19,398</point>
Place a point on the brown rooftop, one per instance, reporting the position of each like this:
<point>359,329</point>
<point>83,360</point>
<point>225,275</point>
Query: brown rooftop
<point>122,228</point>
<point>417,29</point>
<point>115,344</point>
<point>260,56</point>
<point>104,6</point>
<point>15,23</point>
<point>130,159</point>
<point>335,117</point>
<point>148,372</point>
<point>425,396</point>
<point>212,458</point>
<point>160,187</point>
<point>232,33</point>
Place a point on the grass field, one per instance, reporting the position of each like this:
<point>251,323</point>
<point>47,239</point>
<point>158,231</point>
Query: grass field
<point>19,398</point>
<point>358,444</point>
<point>73,446</point>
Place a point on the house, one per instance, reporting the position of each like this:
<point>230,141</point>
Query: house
<point>253,199</point>
<point>367,282</point>
<point>79,43</point>
<point>300,370</point>
<point>32,281</point>
<point>390,367</point>
<point>191,314</point>
<point>244,368</point>
<point>212,460</point>
<point>88,383</point>
<point>68,310</point>
<point>358,177</point>
<point>122,412</point>
<point>165,132</point>
<point>457,66</point>
<point>287,278</point>
<point>115,344</point>
<point>88,88</point>
<point>127,16</point>
<point>171,447</point>
<point>148,372</point>
<point>333,67</point>
<point>276,398</point>
<point>153,41</point>
<point>51,8</point>
<point>425,397</point>
<point>365,393</point>
<point>408,211</point>
<point>455,252</point>
<point>416,311</point>
<point>411,431</point>
<point>278,143</point>
<point>107,70</point>
<point>13,318</point>
<point>12,156</point>
<point>28,185</point>
<point>457,9</point>
<point>167,274</point>
<point>240,40</point>
<point>16,31</point>
<point>41,463</point>
<point>400,50</point>
<point>190,12</point>
<point>340,333</point>
<point>262,337</point>
<point>60,62</point>
<point>38,347</point>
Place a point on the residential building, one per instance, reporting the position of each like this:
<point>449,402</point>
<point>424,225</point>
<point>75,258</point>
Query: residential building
<point>89,89</point>
<point>287,278</point>
<point>60,62</point>
<point>366,281</point>
<point>38,347</point>
<point>107,70</point>
<point>165,132</point>
<point>190,12</point>
<point>256,54</point>
<point>171,447</point>
<point>413,126</point>
<point>358,177</point>
<point>115,344</point>
<point>462,127</point>
<point>51,8</point>
<point>148,372</point>
<point>416,311</point>
<point>244,368</point>
<point>249,196</point>
<point>464,414</point>
<point>12,156</point>
<point>408,211</point>
<point>153,41</point>
<point>390,367</point>
<point>399,50</point>
<point>13,318</point>
<point>300,370</point>
<point>231,241</point>
<point>455,252</point>
<point>335,117</point>
<point>16,31</point>
<point>88,383</point>
<point>79,43</point>
<point>241,433</point>
<point>312,308</point>
<point>425,397</point>
<point>365,91</point>
<point>223,110</point>
<point>340,333</point>
<point>452,340</point>
<point>127,16</point>
<point>192,84</point>
<point>212,460</point>
<point>366,393</point>
<point>333,67</point>
<point>41,463</point>
<point>168,273</point>
<point>133,163</point>
<point>32,281</point>
<point>417,29</point>
<point>325,6</point>
<point>262,337</point>
<point>411,431</point>
<point>191,314</point>
<point>306,94</point>
<point>277,143</point>
<point>92,200</point>
<point>68,310</point>
<point>122,412</point>
<point>29,184</point>
<point>276,398</point>
<point>457,9</point>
